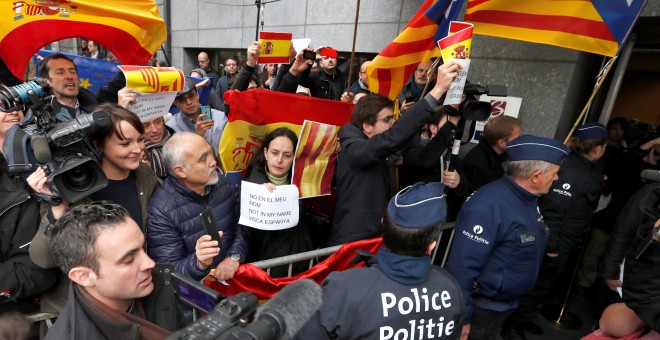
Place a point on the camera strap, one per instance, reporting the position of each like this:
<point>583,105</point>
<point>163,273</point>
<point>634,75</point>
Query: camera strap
<point>15,149</point>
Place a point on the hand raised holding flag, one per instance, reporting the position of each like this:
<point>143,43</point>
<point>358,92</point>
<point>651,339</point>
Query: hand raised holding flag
<point>446,74</point>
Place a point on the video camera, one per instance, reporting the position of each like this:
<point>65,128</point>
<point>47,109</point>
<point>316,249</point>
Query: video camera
<point>58,144</point>
<point>471,108</point>
<point>238,317</point>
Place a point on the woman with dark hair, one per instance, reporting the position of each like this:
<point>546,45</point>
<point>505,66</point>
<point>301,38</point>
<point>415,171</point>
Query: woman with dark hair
<point>268,75</point>
<point>130,184</point>
<point>272,168</point>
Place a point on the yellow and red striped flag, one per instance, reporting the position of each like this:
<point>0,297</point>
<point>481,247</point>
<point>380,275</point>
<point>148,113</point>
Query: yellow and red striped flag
<point>392,67</point>
<point>316,156</point>
<point>274,47</point>
<point>596,26</point>
<point>131,29</point>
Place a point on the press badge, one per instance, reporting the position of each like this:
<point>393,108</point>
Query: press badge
<point>526,239</point>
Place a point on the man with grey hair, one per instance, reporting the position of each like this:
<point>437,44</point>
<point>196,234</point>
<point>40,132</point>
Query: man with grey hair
<point>174,228</point>
<point>501,237</point>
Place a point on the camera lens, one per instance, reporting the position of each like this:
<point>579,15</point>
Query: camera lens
<point>80,178</point>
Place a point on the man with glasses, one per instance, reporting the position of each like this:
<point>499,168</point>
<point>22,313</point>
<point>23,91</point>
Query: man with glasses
<point>205,64</point>
<point>191,119</point>
<point>364,180</point>
<point>231,69</point>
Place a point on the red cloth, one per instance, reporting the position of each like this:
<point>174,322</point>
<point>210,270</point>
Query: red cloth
<point>253,279</point>
<point>600,335</point>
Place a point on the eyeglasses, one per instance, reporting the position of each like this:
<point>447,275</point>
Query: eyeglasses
<point>387,119</point>
<point>230,65</point>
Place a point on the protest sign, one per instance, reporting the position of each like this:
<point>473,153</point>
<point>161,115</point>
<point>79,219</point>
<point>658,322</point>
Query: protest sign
<point>457,46</point>
<point>157,86</point>
<point>267,210</point>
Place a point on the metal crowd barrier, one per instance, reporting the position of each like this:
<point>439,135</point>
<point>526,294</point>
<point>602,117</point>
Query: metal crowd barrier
<point>314,255</point>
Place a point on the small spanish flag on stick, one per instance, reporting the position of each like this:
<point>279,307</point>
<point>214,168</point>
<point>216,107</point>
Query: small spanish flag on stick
<point>274,47</point>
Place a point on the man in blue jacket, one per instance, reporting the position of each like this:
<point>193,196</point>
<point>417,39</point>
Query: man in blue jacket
<point>501,237</point>
<point>174,228</point>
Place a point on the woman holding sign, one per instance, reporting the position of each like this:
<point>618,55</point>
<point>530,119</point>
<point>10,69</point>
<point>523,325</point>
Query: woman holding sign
<point>272,168</point>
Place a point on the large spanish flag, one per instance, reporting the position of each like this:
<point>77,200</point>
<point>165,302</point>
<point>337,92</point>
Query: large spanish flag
<point>131,29</point>
<point>255,113</point>
<point>596,26</point>
<point>392,67</point>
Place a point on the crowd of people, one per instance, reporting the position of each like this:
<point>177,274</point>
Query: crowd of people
<point>522,208</point>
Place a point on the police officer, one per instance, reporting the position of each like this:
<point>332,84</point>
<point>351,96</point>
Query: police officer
<point>402,296</point>
<point>568,209</point>
<point>500,236</point>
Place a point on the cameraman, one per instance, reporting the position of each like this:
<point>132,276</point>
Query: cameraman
<point>117,291</point>
<point>61,74</point>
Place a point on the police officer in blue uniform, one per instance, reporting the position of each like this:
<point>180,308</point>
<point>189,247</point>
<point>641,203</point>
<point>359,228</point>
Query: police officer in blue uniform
<point>568,209</point>
<point>500,236</point>
<point>402,296</point>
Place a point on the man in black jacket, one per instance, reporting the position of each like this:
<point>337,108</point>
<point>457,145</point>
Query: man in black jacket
<point>329,82</point>
<point>115,293</point>
<point>20,279</point>
<point>363,180</point>
<point>483,163</point>
<point>62,75</point>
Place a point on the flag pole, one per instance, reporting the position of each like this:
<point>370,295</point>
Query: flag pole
<point>599,82</point>
<point>350,68</point>
<point>431,73</point>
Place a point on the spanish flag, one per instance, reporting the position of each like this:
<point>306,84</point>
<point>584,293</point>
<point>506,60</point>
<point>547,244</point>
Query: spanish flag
<point>316,156</point>
<point>392,67</point>
<point>458,43</point>
<point>274,47</point>
<point>596,26</point>
<point>255,113</point>
<point>131,29</point>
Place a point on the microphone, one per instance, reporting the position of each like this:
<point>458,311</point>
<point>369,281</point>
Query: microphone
<point>41,149</point>
<point>286,313</point>
<point>454,154</point>
<point>651,175</point>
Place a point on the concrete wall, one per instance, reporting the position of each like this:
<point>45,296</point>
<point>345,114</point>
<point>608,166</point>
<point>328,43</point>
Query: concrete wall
<point>555,83</point>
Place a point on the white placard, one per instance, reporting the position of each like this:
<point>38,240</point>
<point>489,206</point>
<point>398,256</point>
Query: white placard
<point>267,210</point>
<point>152,105</point>
<point>455,93</point>
<point>508,106</point>
<point>300,44</point>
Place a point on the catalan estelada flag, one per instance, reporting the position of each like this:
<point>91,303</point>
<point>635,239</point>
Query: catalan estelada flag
<point>596,26</point>
<point>316,156</point>
<point>392,67</point>
<point>274,47</point>
<point>255,113</point>
<point>131,29</point>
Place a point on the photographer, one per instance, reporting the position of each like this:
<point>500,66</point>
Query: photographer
<point>329,82</point>
<point>116,290</point>
<point>130,183</point>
